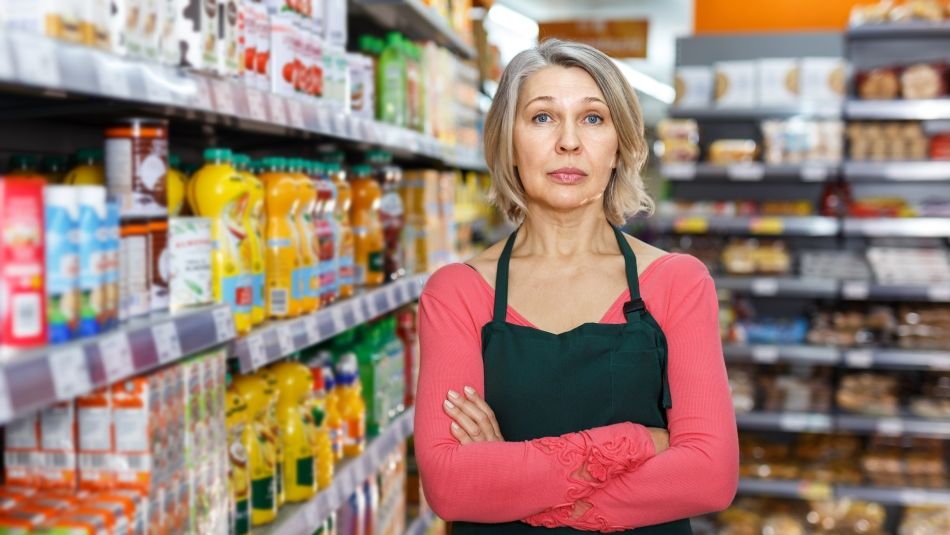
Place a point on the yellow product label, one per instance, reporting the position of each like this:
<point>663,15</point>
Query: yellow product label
<point>766,225</point>
<point>691,225</point>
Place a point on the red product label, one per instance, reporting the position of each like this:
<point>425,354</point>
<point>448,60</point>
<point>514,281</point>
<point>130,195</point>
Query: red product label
<point>22,287</point>
<point>244,296</point>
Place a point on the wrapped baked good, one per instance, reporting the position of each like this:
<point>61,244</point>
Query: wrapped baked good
<point>869,14</point>
<point>917,10</point>
<point>923,81</point>
<point>868,393</point>
<point>879,84</point>
<point>732,151</point>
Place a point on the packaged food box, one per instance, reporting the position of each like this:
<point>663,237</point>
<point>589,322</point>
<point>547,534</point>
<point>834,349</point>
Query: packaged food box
<point>230,53</point>
<point>694,87</point>
<point>335,23</point>
<point>735,85</point>
<point>58,469</point>
<point>96,445</point>
<point>778,82</point>
<point>22,451</point>
<point>137,424</point>
<point>823,79</point>
<point>22,265</point>
<point>189,259</point>
<point>287,67</point>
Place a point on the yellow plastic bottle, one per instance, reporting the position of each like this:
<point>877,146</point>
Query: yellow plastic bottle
<point>352,406</point>
<point>88,170</point>
<point>343,231</point>
<point>294,383</point>
<point>253,249</point>
<point>307,195</point>
<point>240,437</point>
<point>271,430</point>
<point>218,192</point>
<point>333,419</point>
<point>323,445</point>
<point>175,185</point>
<point>262,460</point>
<point>367,228</point>
<point>282,259</point>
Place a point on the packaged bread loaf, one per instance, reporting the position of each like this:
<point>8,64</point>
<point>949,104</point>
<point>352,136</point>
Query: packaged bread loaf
<point>923,81</point>
<point>879,84</point>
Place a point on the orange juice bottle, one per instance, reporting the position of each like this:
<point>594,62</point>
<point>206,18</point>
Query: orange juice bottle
<point>271,431</point>
<point>261,456</point>
<point>282,259</point>
<point>307,196</point>
<point>323,444</point>
<point>352,406</point>
<point>367,228</point>
<point>241,441</point>
<point>341,201</point>
<point>252,249</point>
<point>88,171</point>
<point>294,384</point>
<point>333,418</point>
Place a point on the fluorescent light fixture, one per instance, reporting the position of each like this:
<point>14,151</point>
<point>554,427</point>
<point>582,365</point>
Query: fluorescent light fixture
<point>513,21</point>
<point>647,84</point>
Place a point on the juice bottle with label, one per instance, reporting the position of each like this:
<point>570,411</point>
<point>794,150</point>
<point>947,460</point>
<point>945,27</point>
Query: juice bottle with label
<point>367,228</point>
<point>88,171</point>
<point>309,280</point>
<point>282,258</point>
<point>372,375</point>
<point>294,384</point>
<point>23,165</point>
<point>342,200</point>
<point>92,217</point>
<point>262,460</point>
<point>352,406</point>
<point>414,102</point>
<point>392,213</point>
<point>53,169</point>
<point>323,444</point>
<point>323,229</point>
<point>62,262</point>
<point>241,441</point>
<point>175,186</point>
<point>391,82</point>
<point>252,249</point>
<point>336,427</point>
<point>271,431</point>
<point>218,192</point>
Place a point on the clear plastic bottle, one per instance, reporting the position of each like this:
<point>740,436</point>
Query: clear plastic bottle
<point>342,230</point>
<point>392,214</point>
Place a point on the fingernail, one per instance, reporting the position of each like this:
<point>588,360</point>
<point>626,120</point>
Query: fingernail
<point>449,405</point>
<point>455,426</point>
<point>469,390</point>
<point>453,394</point>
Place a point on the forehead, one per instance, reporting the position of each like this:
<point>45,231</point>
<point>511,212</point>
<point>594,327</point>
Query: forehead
<point>568,83</point>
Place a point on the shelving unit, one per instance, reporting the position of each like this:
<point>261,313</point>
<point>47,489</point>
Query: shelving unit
<point>749,172</point>
<point>897,171</point>
<point>805,490</point>
<point>897,110</point>
<point>814,111</point>
<point>421,525</point>
<point>746,225</point>
<point>860,358</point>
<point>418,21</point>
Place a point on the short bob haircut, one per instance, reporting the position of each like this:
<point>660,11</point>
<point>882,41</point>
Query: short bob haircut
<point>625,195</point>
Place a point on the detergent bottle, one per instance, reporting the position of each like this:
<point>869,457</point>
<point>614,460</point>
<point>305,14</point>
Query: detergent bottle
<point>271,430</point>
<point>175,185</point>
<point>342,229</point>
<point>282,259</point>
<point>309,276</point>
<point>217,191</point>
<point>367,228</point>
<point>352,406</point>
<point>88,170</point>
<point>262,461</point>
<point>294,384</point>
<point>333,418</point>
<point>253,249</point>
<point>240,434</point>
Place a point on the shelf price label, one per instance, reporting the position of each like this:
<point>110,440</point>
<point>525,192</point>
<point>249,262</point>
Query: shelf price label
<point>295,114</point>
<point>746,172</point>
<point>256,108</point>
<point>679,171</point>
<point>766,226</point>
<point>111,77</point>
<point>116,355</point>
<point>257,351</point>
<point>814,172</point>
<point>371,306</point>
<point>70,373</point>
<point>890,426</point>
<point>285,340</point>
<point>856,290</point>
<point>312,327</point>
<point>223,324</point>
<point>167,343</point>
<point>6,62</point>
<point>201,98</point>
<point>766,286</point>
<point>390,301</point>
<point>278,113</point>
<point>311,515</point>
<point>765,354</point>
<point>939,293</point>
<point>691,225</point>
<point>939,362</point>
<point>223,97</point>
<point>36,60</point>
<point>336,313</point>
<point>859,358</point>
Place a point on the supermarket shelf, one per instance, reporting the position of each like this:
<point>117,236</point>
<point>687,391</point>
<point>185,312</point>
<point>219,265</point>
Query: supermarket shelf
<point>895,495</point>
<point>782,488</point>
<point>38,378</point>
<point>894,426</point>
<point>278,339</point>
<point>756,226</point>
<point>900,30</point>
<point>421,525</point>
<point>911,227</point>
<point>305,518</point>
<point>900,110</point>
<point>30,61</point>
<point>786,421</point>
<point>418,21</point>
<point>749,172</point>
<point>816,111</point>
<point>865,291</point>
<point>897,171</point>
<point>898,359</point>
<point>771,354</point>
<point>779,286</point>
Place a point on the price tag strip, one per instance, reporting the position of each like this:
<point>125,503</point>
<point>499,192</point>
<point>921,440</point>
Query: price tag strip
<point>6,61</point>
<point>223,97</point>
<point>859,358</point>
<point>312,328</point>
<point>116,355</point>
<point>278,113</point>
<point>6,405</point>
<point>285,340</point>
<point>765,286</point>
<point>36,60</point>
<point>767,354</point>
<point>746,172</point>
<point>295,114</point>
<point>855,290</point>
<point>224,324</point>
<point>256,350</point>
<point>167,343</point>
<point>110,74</point>
<point>70,373</point>
<point>256,108</point>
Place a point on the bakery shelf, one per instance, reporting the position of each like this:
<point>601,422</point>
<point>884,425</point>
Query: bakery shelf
<point>750,172</point>
<point>828,110</point>
<point>785,488</point>
<point>893,426</point>
<point>897,171</point>
<point>754,226</point>
<point>279,339</point>
<point>896,359</point>
<point>910,227</point>
<point>900,30</point>
<point>898,110</point>
<point>304,518</point>
<point>894,495</point>
<point>779,286</point>
<point>418,21</point>
<point>34,62</point>
<point>771,354</point>
<point>37,378</point>
<point>786,421</point>
<point>422,524</point>
<point>865,291</point>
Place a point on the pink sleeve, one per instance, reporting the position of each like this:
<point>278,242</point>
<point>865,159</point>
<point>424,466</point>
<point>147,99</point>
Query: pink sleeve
<point>494,482</point>
<point>698,474</point>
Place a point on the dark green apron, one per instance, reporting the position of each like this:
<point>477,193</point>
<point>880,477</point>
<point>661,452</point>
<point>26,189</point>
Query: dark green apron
<point>545,385</point>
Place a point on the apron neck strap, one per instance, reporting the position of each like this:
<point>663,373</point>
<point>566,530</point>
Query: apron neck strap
<point>501,280</point>
<point>635,304</point>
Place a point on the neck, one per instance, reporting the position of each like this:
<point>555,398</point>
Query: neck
<point>552,234</point>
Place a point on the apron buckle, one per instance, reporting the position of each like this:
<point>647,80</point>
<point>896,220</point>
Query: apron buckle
<point>634,305</point>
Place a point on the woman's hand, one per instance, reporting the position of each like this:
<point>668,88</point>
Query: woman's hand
<point>473,420</point>
<point>661,439</point>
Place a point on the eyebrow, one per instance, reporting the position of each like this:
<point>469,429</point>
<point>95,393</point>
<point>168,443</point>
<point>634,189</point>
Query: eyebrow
<point>549,99</point>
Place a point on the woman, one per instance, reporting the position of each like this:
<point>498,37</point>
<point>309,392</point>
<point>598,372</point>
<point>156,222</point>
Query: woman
<point>560,420</point>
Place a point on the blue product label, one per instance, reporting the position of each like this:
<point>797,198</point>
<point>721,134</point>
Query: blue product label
<point>62,274</point>
<point>297,278</point>
<point>313,282</point>
<point>346,272</point>
<point>91,268</point>
<point>258,288</point>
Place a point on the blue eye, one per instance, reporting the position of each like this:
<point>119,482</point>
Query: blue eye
<point>542,118</point>
<point>593,119</point>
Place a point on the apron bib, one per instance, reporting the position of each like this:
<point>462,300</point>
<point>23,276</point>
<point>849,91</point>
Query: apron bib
<point>541,384</point>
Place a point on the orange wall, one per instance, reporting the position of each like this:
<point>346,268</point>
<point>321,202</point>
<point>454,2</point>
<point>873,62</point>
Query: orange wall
<point>732,16</point>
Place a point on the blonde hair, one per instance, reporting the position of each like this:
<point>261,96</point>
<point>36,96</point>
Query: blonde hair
<point>626,194</point>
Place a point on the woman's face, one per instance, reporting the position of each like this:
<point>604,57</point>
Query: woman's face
<point>564,138</point>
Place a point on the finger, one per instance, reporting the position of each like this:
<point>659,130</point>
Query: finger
<point>473,396</point>
<point>475,413</point>
<point>460,434</point>
<point>462,419</point>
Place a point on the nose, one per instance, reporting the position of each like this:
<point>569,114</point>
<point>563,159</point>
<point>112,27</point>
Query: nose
<point>568,141</point>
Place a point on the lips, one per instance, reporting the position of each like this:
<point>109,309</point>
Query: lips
<point>567,175</point>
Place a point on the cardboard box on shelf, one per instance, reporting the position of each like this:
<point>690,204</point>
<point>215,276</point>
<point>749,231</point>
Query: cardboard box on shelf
<point>22,263</point>
<point>694,87</point>
<point>823,79</point>
<point>778,82</point>
<point>735,84</point>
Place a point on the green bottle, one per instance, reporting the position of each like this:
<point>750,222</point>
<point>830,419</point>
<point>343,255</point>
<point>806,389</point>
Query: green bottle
<point>391,83</point>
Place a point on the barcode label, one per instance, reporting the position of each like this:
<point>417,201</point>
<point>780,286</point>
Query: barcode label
<point>26,315</point>
<point>116,355</point>
<point>223,324</point>
<point>95,462</point>
<point>20,458</point>
<point>285,340</point>
<point>167,344</point>
<point>313,330</point>
<point>256,350</point>
<point>279,298</point>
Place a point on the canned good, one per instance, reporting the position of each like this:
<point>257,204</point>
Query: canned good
<point>136,158</point>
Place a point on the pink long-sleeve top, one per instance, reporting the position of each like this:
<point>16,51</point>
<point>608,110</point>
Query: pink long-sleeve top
<point>603,479</point>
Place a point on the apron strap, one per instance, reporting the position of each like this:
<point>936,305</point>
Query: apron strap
<point>635,304</point>
<point>501,280</point>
